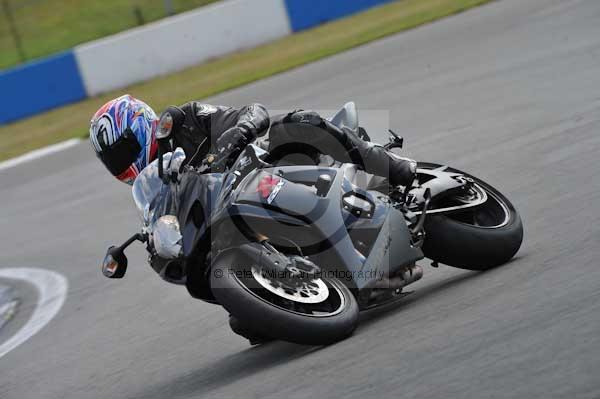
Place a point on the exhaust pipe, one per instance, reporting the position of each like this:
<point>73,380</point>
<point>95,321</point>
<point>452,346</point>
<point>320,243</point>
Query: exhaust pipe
<point>407,276</point>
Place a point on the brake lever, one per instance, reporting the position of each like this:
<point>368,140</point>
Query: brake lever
<point>396,139</point>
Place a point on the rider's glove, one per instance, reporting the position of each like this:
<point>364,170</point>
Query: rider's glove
<point>236,137</point>
<point>231,143</point>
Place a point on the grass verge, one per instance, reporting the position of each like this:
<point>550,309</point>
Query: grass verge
<point>48,26</point>
<point>234,70</point>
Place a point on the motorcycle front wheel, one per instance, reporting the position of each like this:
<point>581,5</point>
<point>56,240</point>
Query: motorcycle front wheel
<point>320,311</point>
<point>478,238</point>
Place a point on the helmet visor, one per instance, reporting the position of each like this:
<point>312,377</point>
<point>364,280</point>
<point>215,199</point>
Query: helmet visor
<point>121,154</point>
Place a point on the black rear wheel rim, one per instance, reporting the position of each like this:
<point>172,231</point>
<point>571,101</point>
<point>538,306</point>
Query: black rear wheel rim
<point>495,213</point>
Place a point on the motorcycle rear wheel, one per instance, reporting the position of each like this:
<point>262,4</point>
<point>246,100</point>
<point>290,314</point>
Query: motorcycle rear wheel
<point>480,238</point>
<point>317,318</point>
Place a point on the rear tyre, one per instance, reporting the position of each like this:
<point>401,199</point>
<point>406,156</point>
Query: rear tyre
<point>322,313</point>
<point>478,239</point>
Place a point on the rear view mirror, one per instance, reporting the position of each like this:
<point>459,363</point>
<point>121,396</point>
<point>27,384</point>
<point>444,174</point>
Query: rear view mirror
<point>114,264</point>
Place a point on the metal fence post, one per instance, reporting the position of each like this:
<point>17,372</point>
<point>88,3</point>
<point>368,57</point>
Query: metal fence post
<point>169,9</point>
<point>13,30</point>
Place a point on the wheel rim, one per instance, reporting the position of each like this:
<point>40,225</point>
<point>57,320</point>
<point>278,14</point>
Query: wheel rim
<point>474,198</point>
<point>494,213</point>
<point>329,299</point>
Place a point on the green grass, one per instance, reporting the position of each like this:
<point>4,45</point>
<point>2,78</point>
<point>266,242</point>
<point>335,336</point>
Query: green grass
<point>233,70</point>
<point>49,26</point>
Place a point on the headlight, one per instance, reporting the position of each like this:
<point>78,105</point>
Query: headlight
<point>167,238</point>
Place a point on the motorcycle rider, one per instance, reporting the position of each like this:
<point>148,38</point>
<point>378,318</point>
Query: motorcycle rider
<point>123,136</point>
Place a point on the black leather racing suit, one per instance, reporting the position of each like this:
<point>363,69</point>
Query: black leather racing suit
<point>213,129</point>
<point>306,132</point>
<point>226,131</point>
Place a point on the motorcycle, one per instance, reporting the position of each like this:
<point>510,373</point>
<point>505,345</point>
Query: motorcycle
<point>296,251</point>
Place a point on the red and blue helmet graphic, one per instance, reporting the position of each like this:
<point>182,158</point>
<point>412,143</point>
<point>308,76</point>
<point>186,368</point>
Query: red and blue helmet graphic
<point>114,118</point>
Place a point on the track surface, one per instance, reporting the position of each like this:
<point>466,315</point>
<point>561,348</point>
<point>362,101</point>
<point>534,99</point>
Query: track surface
<point>509,91</point>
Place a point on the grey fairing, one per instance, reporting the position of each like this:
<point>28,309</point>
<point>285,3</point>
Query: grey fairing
<point>391,249</point>
<point>197,199</point>
<point>347,117</point>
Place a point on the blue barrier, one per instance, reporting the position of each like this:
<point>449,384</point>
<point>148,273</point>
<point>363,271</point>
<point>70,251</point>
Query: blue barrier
<point>39,86</point>
<point>308,13</point>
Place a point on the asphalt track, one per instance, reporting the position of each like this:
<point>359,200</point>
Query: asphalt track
<point>509,91</point>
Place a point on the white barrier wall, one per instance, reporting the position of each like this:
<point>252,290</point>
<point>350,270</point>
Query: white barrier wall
<point>179,42</point>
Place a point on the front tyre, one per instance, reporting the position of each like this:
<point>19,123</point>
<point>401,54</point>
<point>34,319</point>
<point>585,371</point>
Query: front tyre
<point>318,312</point>
<point>479,238</point>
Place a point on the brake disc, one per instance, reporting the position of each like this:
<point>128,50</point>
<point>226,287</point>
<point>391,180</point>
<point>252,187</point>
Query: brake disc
<point>304,291</point>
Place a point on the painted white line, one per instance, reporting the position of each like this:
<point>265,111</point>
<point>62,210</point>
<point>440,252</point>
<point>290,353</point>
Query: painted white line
<point>52,292</point>
<point>35,154</point>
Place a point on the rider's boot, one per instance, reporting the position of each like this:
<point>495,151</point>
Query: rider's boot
<point>377,160</point>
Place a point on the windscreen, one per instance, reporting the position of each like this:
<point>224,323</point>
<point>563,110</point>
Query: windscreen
<point>151,196</point>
